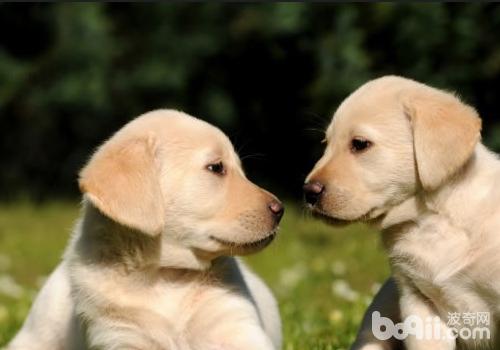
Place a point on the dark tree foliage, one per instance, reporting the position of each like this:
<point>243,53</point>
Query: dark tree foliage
<point>269,75</point>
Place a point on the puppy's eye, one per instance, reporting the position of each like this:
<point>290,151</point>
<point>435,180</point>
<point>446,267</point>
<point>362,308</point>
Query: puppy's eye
<point>359,144</point>
<point>217,168</point>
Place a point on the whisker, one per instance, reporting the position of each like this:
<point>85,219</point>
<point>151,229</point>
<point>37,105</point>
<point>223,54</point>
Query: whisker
<point>317,120</point>
<point>315,130</point>
<point>241,146</point>
<point>253,156</point>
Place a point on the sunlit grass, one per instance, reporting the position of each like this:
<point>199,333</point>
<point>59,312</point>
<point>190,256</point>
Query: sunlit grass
<point>323,277</point>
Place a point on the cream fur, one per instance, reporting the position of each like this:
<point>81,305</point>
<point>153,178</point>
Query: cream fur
<point>432,189</point>
<point>149,265</point>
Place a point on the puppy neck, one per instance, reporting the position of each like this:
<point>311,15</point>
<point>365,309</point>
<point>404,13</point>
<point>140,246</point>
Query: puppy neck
<point>100,240</point>
<point>178,257</point>
<point>404,213</point>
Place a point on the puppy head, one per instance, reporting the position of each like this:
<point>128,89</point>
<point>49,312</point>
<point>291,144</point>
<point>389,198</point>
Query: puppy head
<point>170,174</point>
<point>387,140</point>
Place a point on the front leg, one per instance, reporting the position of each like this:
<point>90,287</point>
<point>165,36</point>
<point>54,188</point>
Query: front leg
<point>427,330</point>
<point>231,323</point>
<point>118,328</point>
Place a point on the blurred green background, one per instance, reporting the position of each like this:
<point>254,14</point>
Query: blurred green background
<point>269,75</point>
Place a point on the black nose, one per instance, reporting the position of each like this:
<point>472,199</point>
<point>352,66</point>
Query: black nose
<point>277,209</point>
<point>312,191</point>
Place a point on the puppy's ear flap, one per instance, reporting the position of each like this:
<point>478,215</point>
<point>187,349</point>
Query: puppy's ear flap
<point>122,181</point>
<point>445,132</point>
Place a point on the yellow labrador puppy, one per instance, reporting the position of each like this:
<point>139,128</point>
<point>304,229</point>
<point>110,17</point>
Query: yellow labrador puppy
<point>407,158</point>
<point>166,203</point>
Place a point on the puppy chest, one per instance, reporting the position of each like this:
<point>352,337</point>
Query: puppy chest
<point>430,256</point>
<point>443,264</point>
<point>201,306</point>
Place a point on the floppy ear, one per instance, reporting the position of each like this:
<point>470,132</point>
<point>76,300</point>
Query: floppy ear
<point>445,132</point>
<point>121,180</point>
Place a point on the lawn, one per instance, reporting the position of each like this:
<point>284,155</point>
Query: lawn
<point>323,277</point>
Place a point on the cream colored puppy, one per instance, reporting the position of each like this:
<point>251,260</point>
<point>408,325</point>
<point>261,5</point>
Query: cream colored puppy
<point>407,158</point>
<point>165,204</point>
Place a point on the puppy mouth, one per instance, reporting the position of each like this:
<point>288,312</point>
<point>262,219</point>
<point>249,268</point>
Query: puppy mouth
<point>331,220</point>
<point>370,216</point>
<point>247,247</point>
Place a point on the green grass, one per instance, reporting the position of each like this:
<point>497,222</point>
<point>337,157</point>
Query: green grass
<point>323,277</point>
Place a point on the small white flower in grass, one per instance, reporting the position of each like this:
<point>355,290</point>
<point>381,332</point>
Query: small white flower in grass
<point>343,290</point>
<point>4,262</point>
<point>290,277</point>
<point>10,288</point>
<point>338,268</point>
